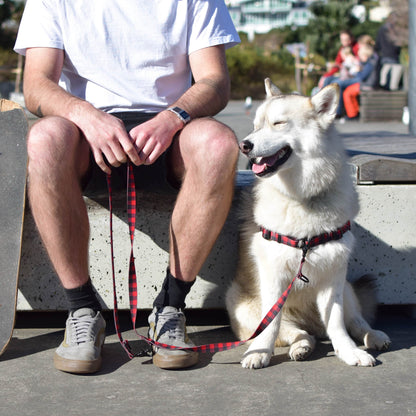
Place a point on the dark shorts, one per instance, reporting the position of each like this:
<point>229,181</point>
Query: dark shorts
<point>153,177</point>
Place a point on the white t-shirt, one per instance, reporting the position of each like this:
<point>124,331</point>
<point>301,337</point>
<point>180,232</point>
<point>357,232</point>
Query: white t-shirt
<point>123,55</point>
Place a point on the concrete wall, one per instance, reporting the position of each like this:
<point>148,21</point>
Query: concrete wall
<point>384,230</point>
<point>386,245</point>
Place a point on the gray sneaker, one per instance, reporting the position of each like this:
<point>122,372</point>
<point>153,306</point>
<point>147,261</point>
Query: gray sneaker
<point>80,351</point>
<point>167,325</point>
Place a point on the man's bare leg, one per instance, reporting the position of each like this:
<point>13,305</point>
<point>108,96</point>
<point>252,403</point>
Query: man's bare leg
<point>58,158</point>
<point>205,154</point>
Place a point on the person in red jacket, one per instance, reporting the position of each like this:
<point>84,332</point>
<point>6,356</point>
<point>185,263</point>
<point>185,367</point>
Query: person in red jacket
<point>346,39</point>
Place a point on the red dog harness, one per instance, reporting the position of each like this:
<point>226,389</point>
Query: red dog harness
<point>305,243</point>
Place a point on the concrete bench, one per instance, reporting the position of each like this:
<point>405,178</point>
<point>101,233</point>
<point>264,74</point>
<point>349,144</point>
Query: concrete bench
<point>380,105</point>
<point>39,287</point>
<point>384,228</point>
<point>385,173</point>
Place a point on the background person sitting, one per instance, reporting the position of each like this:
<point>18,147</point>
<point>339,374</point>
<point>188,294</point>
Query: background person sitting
<point>368,61</point>
<point>388,48</point>
<point>351,93</point>
<point>346,39</point>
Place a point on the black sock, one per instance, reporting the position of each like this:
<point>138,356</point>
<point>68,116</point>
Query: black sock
<point>82,297</point>
<point>173,292</point>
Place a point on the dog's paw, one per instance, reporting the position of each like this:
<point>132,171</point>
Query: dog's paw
<point>357,357</point>
<point>377,340</point>
<point>300,350</point>
<point>255,360</point>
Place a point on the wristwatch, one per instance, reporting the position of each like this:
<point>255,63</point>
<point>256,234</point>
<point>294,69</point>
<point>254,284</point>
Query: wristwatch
<point>182,114</point>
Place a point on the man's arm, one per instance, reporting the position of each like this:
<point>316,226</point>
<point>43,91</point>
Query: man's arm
<point>105,134</point>
<point>211,90</point>
<point>206,97</point>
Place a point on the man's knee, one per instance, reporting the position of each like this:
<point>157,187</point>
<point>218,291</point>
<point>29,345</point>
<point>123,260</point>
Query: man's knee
<point>52,140</point>
<point>52,131</point>
<point>216,141</point>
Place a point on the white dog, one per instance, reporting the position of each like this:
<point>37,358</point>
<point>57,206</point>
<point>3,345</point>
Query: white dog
<point>303,190</point>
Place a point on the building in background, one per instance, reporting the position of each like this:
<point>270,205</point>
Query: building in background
<point>261,16</point>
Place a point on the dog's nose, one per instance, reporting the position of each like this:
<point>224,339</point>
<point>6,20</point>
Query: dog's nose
<point>246,146</point>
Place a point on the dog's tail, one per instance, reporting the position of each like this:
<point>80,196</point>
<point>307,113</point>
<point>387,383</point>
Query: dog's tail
<point>365,290</point>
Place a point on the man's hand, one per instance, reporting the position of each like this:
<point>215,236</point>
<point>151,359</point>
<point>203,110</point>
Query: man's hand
<point>153,137</point>
<point>108,139</point>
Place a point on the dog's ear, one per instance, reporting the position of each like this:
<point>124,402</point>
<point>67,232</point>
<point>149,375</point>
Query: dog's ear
<point>325,103</point>
<point>271,89</point>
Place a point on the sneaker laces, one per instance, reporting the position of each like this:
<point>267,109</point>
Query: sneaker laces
<point>172,325</point>
<point>80,329</point>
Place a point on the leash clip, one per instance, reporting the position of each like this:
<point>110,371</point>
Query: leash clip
<point>302,277</point>
<point>304,246</point>
<point>145,352</point>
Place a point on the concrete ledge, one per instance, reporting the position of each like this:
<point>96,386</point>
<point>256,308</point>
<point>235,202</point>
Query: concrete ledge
<point>39,286</point>
<point>376,169</point>
<point>385,241</point>
<point>385,247</point>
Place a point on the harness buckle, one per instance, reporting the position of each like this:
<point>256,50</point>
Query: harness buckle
<point>303,244</point>
<point>266,234</point>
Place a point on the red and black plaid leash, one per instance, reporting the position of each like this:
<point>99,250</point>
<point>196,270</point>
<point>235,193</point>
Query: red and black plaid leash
<point>213,347</point>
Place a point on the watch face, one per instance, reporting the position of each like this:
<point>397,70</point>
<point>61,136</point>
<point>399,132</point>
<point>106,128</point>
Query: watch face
<point>182,114</point>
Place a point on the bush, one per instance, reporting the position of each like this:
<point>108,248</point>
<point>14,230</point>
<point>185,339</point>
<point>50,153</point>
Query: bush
<point>249,66</point>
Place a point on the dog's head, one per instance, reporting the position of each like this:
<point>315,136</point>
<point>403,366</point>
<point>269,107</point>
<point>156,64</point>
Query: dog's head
<point>289,127</point>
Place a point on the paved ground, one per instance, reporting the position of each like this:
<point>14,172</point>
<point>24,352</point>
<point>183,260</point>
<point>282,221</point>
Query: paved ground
<point>322,385</point>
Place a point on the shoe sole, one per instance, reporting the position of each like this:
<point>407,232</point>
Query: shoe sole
<point>76,366</point>
<point>175,362</point>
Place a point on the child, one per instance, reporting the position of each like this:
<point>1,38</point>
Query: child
<point>365,80</point>
<point>350,65</point>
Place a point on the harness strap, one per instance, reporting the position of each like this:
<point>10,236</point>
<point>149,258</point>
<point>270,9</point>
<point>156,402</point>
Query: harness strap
<point>211,348</point>
<point>306,242</point>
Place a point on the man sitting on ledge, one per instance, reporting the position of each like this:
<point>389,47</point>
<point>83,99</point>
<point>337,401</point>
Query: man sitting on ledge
<point>111,82</point>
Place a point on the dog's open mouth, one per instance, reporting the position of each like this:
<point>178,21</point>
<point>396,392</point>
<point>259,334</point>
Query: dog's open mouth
<point>269,164</point>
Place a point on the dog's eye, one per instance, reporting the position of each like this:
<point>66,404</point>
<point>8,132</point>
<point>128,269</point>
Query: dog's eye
<point>278,123</point>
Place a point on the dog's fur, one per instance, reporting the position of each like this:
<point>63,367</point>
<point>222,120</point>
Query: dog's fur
<point>301,191</point>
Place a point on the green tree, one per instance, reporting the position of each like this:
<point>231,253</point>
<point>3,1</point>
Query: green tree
<point>322,32</point>
<point>10,15</point>
<point>249,66</point>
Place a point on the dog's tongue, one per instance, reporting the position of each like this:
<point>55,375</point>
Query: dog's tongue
<point>264,163</point>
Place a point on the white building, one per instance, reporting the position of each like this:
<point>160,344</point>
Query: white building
<point>261,16</point>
